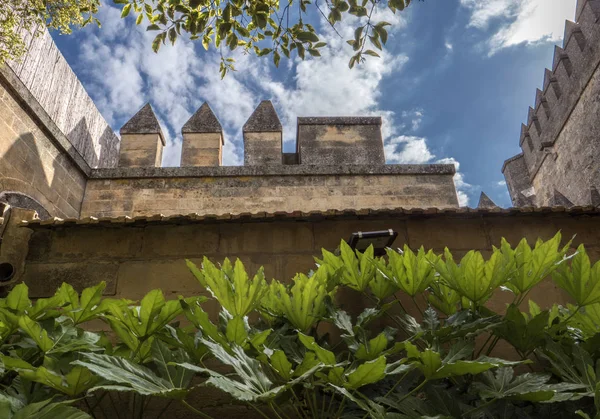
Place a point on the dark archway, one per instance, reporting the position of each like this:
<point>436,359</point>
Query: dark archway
<point>20,200</point>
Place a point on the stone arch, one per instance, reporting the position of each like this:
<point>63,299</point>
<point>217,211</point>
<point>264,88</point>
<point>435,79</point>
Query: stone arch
<point>21,200</point>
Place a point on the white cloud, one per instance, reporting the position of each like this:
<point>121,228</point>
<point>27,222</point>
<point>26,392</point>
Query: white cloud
<point>407,150</point>
<point>415,117</point>
<point>414,150</point>
<point>520,21</point>
<point>462,187</point>
<point>123,74</point>
<point>501,183</point>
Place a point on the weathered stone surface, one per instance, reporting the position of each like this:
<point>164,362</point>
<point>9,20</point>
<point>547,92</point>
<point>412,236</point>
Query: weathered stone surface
<point>33,166</point>
<point>256,193</point>
<point>203,121</point>
<point>563,153</point>
<point>263,119</point>
<point>45,81</point>
<point>143,122</point>
<point>43,279</point>
<point>141,150</point>
<point>486,202</point>
<point>339,141</point>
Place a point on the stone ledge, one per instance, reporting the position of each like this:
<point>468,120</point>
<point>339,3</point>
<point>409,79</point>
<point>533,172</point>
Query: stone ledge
<point>340,120</point>
<point>276,170</point>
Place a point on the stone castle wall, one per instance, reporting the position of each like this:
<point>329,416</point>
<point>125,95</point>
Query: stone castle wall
<point>560,162</point>
<point>221,190</point>
<point>48,77</point>
<point>31,163</point>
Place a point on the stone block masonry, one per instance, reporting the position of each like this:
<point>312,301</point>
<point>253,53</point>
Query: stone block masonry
<point>48,78</point>
<point>560,162</point>
<point>32,164</point>
<point>219,190</point>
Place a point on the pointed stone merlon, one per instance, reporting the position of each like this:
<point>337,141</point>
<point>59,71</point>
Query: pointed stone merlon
<point>142,140</point>
<point>202,139</point>
<point>340,140</point>
<point>263,137</point>
<point>520,189</point>
<point>485,202</point>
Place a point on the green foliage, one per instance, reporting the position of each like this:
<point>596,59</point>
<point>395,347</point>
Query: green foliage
<point>262,28</point>
<point>268,348</point>
<point>18,16</point>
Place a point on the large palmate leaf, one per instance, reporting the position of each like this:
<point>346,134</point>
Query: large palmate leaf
<point>45,410</point>
<point>165,359</point>
<point>576,367</point>
<point>533,265</point>
<point>76,381</point>
<point>434,367</point>
<point>411,272</point>
<point>252,383</point>
<point>502,384</point>
<point>89,306</point>
<point>444,298</point>
<point>368,373</point>
<point>304,303</point>
<point>580,279</point>
<point>525,333</point>
<point>475,278</point>
<point>381,286</point>
<point>357,269</point>
<point>586,319</point>
<point>231,285</point>
<point>63,338</point>
<point>129,376</point>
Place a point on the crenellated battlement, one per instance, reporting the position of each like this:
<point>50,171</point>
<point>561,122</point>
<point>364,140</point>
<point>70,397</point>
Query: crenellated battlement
<point>320,140</point>
<point>555,117</point>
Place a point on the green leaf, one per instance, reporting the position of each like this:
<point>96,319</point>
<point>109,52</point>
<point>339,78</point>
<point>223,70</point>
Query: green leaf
<point>368,373</point>
<point>18,298</point>
<point>307,37</point>
<point>126,10</point>
<point>373,349</point>
<point>164,358</point>
<point>236,330</point>
<point>371,53</point>
<point>280,363</point>
<point>526,387</point>
<point>129,376</point>
<point>252,383</point>
<point>35,332</point>
<point>325,356</point>
<point>580,279</point>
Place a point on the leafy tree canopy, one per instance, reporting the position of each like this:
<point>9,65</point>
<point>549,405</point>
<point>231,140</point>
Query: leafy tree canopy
<point>260,27</point>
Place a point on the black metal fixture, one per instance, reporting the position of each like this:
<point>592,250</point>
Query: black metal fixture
<point>7,271</point>
<point>379,239</point>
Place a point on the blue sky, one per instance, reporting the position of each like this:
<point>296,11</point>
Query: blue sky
<point>453,85</point>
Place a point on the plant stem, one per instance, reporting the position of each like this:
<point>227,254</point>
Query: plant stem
<point>493,344</point>
<point>572,314</point>
<point>196,411</point>
<point>414,390</point>
<point>260,412</point>
<point>89,408</point>
<point>483,406</point>
<point>164,409</point>
<point>397,383</point>
<point>483,346</point>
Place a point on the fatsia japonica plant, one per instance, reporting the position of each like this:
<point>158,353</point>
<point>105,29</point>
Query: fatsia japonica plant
<point>423,341</point>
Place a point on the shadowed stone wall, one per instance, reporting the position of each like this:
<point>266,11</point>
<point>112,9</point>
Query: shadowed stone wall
<point>31,163</point>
